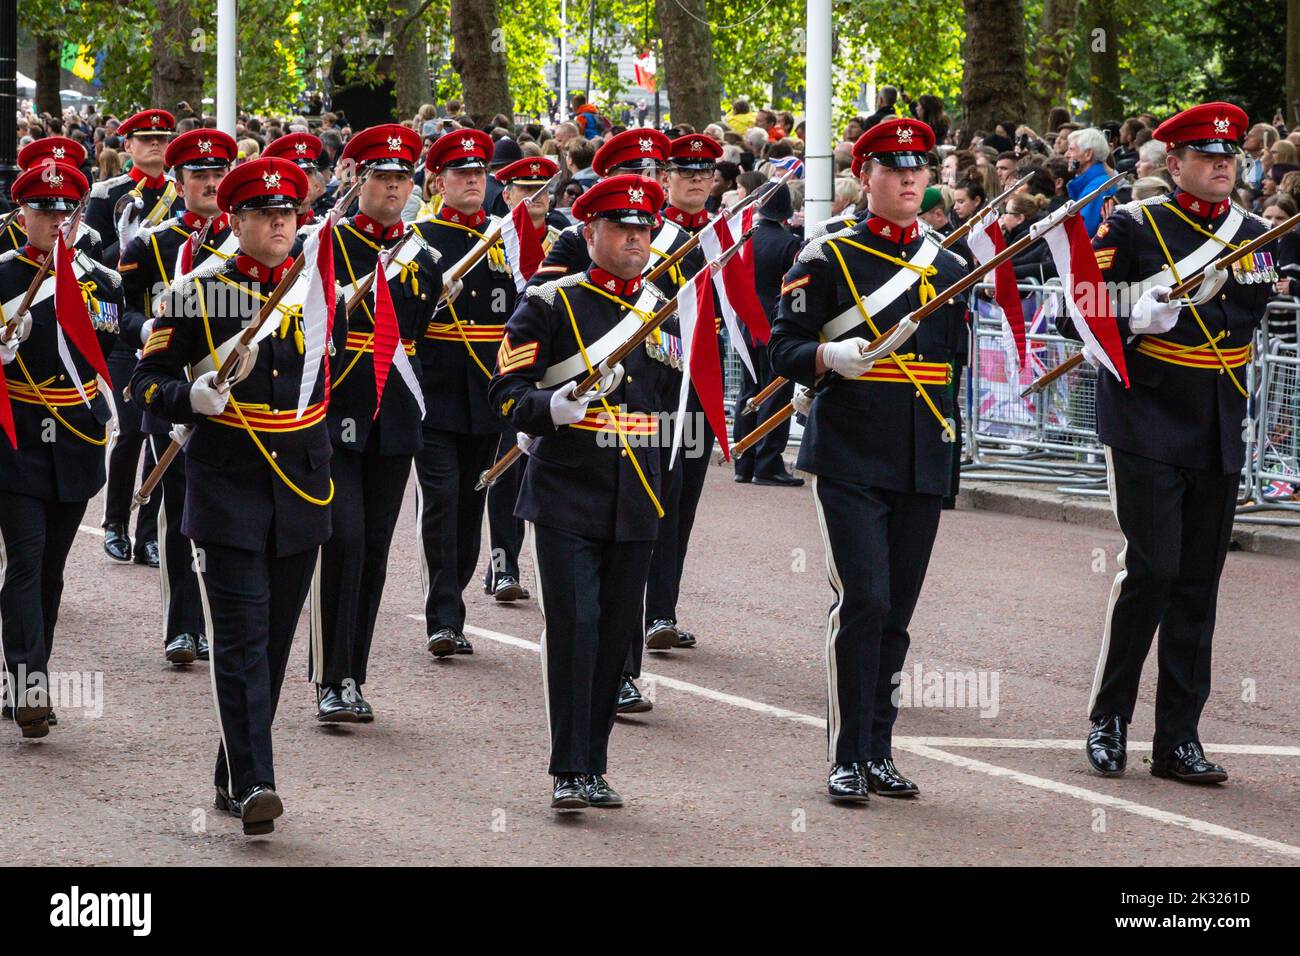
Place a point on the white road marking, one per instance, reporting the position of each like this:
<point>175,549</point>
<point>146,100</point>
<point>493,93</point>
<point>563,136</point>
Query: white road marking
<point>923,747</point>
<point>87,529</point>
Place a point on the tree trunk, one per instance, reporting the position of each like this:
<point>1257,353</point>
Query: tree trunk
<point>1103,61</point>
<point>480,59</point>
<point>994,78</point>
<point>1291,111</point>
<point>694,90</point>
<point>47,77</point>
<point>1056,38</point>
<point>410,57</point>
<point>177,66</point>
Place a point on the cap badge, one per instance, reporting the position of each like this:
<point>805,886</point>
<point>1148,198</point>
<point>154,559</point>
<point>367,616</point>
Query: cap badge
<point>467,144</point>
<point>272,180</point>
<point>645,143</point>
<point>534,167</point>
<point>636,195</point>
<point>1221,126</point>
<point>54,179</point>
<point>57,152</point>
<point>300,148</point>
<point>205,145</point>
<point>154,120</point>
<point>904,135</point>
<point>394,143</point>
<point>696,145</point>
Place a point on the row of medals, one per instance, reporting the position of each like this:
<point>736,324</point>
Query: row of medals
<point>1255,268</point>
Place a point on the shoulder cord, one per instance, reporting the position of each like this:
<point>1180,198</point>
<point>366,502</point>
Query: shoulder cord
<point>22,367</point>
<point>212,349</point>
<point>900,361</point>
<point>618,427</point>
<point>1212,340</point>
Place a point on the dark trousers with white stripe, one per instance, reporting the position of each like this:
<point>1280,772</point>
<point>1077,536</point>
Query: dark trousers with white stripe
<point>505,531</point>
<point>124,459</point>
<point>35,538</point>
<point>1177,525</point>
<point>451,520</point>
<point>252,600</point>
<point>591,594</point>
<point>681,488</point>
<point>878,546</point>
<point>368,490</point>
<point>182,609</point>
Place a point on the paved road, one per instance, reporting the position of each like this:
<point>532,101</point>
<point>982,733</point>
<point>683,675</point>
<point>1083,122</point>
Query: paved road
<point>729,767</point>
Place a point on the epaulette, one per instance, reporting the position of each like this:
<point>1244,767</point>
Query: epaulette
<point>11,254</point>
<point>546,291</point>
<point>812,249</point>
<point>1252,216</point>
<point>960,259</point>
<point>91,233</point>
<point>101,189</point>
<point>208,268</point>
<point>147,232</point>
<point>816,230</point>
<point>1134,209</point>
<point>575,228</point>
<point>112,275</point>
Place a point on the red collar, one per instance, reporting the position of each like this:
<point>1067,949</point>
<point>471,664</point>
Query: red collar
<point>1200,207</point>
<point>149,182</point>
<point>369,227</point>
<point>36,255</point>
<point>260,273</point>
<point>892,231</point>
<point>612,283</point>
<point>472,219</point>
<point>195,222</point>
<point>688,220</point>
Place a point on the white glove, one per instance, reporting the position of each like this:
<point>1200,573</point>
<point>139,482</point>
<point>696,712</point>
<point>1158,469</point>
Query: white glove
<point>1150,315</point>
<point>1090,357</point>
<point>180,434</point>
<point>8,351</point>
<point>846,358</point>
<point>565,409</point>
<point>206,398</point>
<point>453,288</point>
<point>802,400</point>
<point>526,442</point>
<point>9,343</point>
<point>610,379</point>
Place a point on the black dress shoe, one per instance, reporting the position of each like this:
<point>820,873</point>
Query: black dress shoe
<point>204,650</point>
<point>685,638</point>
<point>1107,745</point>
<point>1187,762</point>
<point>259,805</point>
<point>333,707</point>
<point>600,793</point>
<point>365,713</point>
<point>848,784</point>
<point>781,478</point>
<point>570,792</point>
<point>509,589</point>
<point>630,700</point>
<point>225,803</point>
<point>740,479</point>
<point>149,555</point>
<point>182,649</point>
<point>116,543</point>
<point>463,646</point>
<point>442,642</point>
<point>661,635</point>
<point>883,778</point>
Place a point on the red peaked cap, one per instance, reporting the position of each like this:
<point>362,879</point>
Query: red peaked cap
<point>694,151</point>
<point>390,147</point>
<point>301,148</point>
<point>148,123</point>
<point>50,186</point>
<point>463,148</point>
<point>54,149</point>
<point>529,171</point>
<point>1208,128</point>
<point>633,148</point>
<point>901,142</point>
<point>635,200</point>
<point>273,183</point>
<point>201,149</point>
